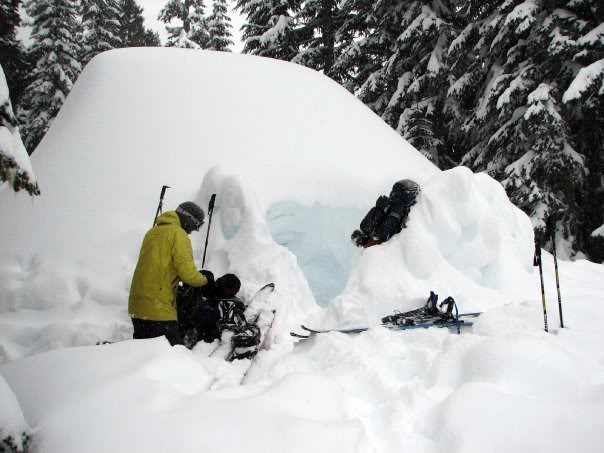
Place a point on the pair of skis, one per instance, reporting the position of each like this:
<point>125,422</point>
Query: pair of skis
<point>421,318</point>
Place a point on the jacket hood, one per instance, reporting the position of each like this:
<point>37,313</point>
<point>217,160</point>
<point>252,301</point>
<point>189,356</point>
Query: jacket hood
<point>169,218</point>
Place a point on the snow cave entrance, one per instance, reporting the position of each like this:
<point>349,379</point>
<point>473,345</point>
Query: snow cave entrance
<point>319,237</point>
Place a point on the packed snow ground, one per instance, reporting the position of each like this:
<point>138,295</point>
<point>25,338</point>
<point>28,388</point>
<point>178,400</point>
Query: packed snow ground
<point>296,162</point>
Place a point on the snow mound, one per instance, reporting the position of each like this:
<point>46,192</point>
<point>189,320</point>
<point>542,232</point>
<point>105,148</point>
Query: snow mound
<point>295,160</point>
<point>260,133</point>
<point>141,389</point>
<point>463,239</point>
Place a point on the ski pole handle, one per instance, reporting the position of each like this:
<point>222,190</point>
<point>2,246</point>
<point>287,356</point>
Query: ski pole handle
<point>161,202</point>
<point>210,212</point>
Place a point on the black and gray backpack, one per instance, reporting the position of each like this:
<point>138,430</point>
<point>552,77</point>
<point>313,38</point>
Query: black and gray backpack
<point>389,215</point>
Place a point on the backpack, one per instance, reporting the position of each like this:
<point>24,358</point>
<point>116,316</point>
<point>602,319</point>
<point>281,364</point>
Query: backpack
<point>203,316</point>
<point>198,315</point>
<point>375,217</point>
<point>389,215</point>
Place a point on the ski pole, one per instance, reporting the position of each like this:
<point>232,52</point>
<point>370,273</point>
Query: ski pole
<point>210,212</point>
<point>161,202</point>
<point>537,262</point>
<point>557,278</point>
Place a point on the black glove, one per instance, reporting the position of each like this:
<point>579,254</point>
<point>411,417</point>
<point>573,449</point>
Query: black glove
<point>208,291</point>
<point>359,238</point>
<point>207,274</point>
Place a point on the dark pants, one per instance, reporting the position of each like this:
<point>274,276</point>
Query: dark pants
<point>153,329</point>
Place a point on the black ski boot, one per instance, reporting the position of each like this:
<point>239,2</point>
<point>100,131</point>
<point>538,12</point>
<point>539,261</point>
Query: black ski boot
<point>431,306</point>
<point>447,314</point>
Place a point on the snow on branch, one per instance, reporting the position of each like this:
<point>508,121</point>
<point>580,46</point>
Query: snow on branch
<point>425,22</point>
<point>596,36</point>
<point>15,166</point>
<point>272,35</point>
<point>183,41</point>
<point>460,40</point>
<point>517,86</point>
<point>523,15</point>
<point>435,64</point>
<point>560,42</point>
<point>584,80</point>
<point>540,101</point>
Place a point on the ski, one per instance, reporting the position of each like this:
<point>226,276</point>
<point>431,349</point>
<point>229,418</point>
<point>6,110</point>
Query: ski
<point>470,315</point>
<point>351,330</point>
<point>421,318</point>
<point>297,335</point>
<point>448,324</point>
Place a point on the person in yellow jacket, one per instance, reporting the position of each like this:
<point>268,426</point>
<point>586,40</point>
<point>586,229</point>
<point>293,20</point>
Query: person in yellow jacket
<point>166,257</point>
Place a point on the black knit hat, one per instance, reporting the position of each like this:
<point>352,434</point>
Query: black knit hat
<point>191,216</point>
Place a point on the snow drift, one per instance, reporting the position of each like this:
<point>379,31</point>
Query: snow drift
<point>296,162</point>
<point>294,158</point>
<point>138,119</point>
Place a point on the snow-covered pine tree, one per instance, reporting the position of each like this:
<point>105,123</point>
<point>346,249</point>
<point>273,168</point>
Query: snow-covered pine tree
<point>545,172</point>
<point>418,66</point>
<point>367,40</point>
<point>100,23</point>
<point>131,30</point>
<point>584,100</point>
<point>219,27</point>
<point>15,167</point>
<point>516,128</point>
<point>467,73</point>
<point>55,51</point>
<point>193,32</point>
<point>151,39</point>
<point>12,53</point>
<point>359,50</point>
<point>270,28</point>
<point>317,24</point>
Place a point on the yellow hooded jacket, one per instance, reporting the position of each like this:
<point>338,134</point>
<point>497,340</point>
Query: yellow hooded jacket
<point>166,257</point>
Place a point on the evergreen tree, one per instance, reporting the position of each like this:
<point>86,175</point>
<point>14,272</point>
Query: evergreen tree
<point>363,45</point>
<point>584,99</point>
<point>151,39</point>
<point>193,32</point>
<point>270,27</point>
<point>55,51</point>
<point>393,56</point>
<point>12,54</point>
<point>131,29</point>
<point>303,32</point>
<point>317,22</point>
<point>13,156</point>
<point>100,22</point>
<point>417,72</point>
<point>516,127</point>
<point>219,27</point>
